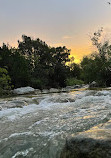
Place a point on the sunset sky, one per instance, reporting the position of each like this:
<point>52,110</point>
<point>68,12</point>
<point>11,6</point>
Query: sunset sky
<point>58,22</point>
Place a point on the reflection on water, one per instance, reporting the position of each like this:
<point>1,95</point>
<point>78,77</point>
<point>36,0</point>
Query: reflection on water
<point>39,130</point>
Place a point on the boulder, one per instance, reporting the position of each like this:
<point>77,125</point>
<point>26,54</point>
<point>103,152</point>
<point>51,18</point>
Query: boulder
<point>69,87</point>
<point>23,90</point>
<point>37,91</point>
<point>54,90</point>
<point>94,143</point>
<point>64,90</point>
<point>87,148</point>
<point>73,87</point>
<point>93,84</point>
<point>85,86</point>
<point>77,86</point>
<point>45,91</point>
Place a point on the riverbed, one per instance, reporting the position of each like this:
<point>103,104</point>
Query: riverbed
<point>40,128</point>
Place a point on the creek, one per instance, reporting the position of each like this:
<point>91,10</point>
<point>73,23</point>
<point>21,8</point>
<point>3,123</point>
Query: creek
<point>40,128</point>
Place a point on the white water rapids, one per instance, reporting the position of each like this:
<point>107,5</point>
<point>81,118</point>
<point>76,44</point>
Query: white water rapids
<point>40,129</point>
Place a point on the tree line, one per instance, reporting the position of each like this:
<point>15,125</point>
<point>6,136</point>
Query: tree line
<point>34,63</point>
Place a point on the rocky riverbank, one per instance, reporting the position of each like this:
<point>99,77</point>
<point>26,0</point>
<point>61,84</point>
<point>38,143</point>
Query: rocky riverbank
<point>27,95</point>
<point>29,90</point>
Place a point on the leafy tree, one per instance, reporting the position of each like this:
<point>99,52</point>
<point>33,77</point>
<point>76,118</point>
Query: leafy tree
<point>20,72</point>
<point>17,65</point>
<point>75,69</point>
<point>98,66</point>
<point>61,57</point>
<point>35,63</point>
<point>48,63</point>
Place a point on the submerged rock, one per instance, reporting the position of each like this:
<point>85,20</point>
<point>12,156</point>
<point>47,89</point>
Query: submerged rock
<point>12,104</point>
<point>16,104</point>
<point>23,90</point>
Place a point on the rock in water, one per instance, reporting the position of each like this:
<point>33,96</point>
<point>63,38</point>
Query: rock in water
<point>45,91</point>
<point>87,148</point>
<point>23,90</point>
<point>54,90</point>
<point>93,84</point>
<point>95,143</point>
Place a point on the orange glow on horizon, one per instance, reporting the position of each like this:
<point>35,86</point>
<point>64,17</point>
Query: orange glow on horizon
<point>79,52</point>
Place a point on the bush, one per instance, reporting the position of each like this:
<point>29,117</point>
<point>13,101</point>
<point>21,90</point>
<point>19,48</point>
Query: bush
<point>73,81</point>
<point>37,83</point>
<point>5,81</point>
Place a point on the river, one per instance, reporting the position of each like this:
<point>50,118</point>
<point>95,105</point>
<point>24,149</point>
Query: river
<point>40,128</point>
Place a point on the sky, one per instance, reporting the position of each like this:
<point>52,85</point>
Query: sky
<point>58,22</point>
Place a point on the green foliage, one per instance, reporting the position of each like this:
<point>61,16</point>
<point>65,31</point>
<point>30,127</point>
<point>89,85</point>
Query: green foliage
<point>36,64</point>
<point>20,71</point>
<point>97,67</point>
<point>75,69</point>
<point>38,83</point>
<point>48,63</point>
<point>17,65</point>
<point>73,81</point>
<point>5,81</point>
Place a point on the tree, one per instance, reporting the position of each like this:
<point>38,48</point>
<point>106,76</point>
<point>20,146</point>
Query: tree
<point>48,63</point>
<point>17,65</point>
<point>97,67</point>
<point>75,69</point>
<point>35,63</point>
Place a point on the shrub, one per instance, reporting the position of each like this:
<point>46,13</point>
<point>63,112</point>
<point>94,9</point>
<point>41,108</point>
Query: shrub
<point>37,83</point>
<point>73,81</point>
<point>5,81</point>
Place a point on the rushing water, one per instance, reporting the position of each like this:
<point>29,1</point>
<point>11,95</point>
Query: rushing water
<point>40,129</point>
